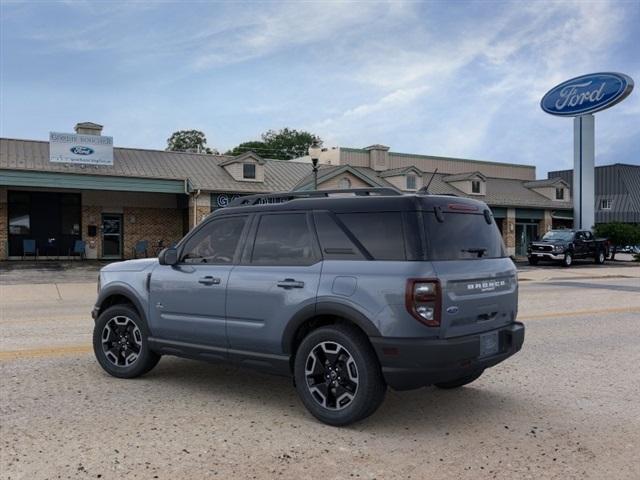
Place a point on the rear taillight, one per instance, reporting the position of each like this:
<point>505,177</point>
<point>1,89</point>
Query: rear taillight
<point>422,299</point>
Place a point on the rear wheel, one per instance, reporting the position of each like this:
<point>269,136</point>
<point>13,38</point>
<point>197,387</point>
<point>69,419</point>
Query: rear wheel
<point>459,382</point>
<point>120,343</point>
<point>338,376</point>
<point>567,261</point>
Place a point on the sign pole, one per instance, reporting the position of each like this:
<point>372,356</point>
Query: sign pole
<point>583,172</point>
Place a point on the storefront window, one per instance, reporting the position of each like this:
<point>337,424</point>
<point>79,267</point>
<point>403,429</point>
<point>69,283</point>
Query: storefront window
<point>19,214</point>
<point>70,214</point>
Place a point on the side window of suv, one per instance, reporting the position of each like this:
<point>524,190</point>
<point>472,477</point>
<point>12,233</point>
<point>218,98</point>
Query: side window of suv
<point>283,239</point>
<point>380,233</point>
<point>216,243</point>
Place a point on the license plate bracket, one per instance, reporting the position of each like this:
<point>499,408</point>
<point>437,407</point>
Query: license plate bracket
<point>489,344</point>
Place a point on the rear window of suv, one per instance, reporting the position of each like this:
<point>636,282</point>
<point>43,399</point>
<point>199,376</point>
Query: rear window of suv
<point>462,236</point>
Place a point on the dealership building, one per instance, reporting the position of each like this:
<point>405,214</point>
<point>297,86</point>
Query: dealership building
<point>126,202</point>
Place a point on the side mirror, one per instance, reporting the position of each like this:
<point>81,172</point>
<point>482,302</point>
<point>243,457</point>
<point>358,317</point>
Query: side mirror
<point>168,256</point>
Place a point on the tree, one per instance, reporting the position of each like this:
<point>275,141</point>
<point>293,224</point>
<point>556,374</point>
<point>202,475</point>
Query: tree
<point>188,141</point>
<point>283,144</point>
<point>619,234</point>
<point>255,146</point>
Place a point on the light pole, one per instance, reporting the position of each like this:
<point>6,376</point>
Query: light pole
<point>314,153</point>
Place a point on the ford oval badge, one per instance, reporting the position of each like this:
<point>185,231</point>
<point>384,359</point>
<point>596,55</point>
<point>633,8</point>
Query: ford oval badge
<point>452,310</point>
<point>587,94</point>
<point>79,150</point>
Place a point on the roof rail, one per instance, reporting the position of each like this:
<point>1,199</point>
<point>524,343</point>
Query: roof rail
<point>282,197</point>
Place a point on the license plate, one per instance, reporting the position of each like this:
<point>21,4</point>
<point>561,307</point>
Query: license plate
<point>489,344</point>
<point>539,255</point>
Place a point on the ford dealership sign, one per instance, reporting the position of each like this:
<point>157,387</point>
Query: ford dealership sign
<point>587,94</point>
<point>80,149</point>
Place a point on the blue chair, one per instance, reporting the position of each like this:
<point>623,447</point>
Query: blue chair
<point>29,248</point>
<point>142,247</point>
<point>79,248</point>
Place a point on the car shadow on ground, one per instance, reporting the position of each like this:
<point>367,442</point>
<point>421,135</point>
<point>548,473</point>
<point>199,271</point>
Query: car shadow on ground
<point>425,408</point>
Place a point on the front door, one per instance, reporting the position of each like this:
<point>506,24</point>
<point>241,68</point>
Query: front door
<point>112,235</point>
<point>187,300</point>
<point>279,275</point>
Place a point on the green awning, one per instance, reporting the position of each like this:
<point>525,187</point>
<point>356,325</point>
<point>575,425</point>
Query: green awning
<point>27,178</point>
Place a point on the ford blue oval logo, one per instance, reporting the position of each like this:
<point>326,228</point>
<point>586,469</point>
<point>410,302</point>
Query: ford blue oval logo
<point>587,94</point>
<point>79,150</point>
<point>452,310</point>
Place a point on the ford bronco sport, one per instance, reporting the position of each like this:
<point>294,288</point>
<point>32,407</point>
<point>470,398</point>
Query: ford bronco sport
<point>347,292</point>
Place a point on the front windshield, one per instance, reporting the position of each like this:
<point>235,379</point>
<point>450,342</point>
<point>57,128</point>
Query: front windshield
<point>557,235</point>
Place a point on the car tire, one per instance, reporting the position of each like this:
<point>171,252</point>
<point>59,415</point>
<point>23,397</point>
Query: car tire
<point>338,376</point>
<point>459,382</point>
<point>567,261</point>
<point>533,260</point>
<point>120,343</point>
<point>600,257</point>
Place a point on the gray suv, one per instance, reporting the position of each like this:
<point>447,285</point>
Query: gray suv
<point>348,293</point>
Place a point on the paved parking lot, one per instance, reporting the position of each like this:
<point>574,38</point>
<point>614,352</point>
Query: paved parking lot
<point>565,407</point>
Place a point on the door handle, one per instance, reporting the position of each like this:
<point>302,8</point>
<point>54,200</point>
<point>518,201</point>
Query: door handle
<point>290,283</point>
<point>209,280</point>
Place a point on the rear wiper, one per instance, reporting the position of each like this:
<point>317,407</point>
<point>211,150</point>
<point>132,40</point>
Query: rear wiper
<point>479,251</point>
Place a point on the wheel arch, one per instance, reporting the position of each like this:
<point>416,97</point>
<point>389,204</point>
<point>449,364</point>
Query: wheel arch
<point>321,314</point>
<point>119,295</point>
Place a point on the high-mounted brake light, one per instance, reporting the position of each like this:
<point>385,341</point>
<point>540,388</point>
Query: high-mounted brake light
<point>423,299</point>
<point>461,207</point>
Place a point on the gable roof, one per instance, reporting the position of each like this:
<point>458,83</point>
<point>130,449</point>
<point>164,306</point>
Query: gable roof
<point>547,182</point>
<point>203,171</point>
<point>327,172</point>
<point>243,157</point>
<point>459,177</point>
<point>394,172</point>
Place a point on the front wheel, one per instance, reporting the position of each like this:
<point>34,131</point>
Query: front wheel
<point>338,376</point>
<point>120,343</point>
<point>459,382</point>
<point>567,261</point>
<point>600,257</point>
<point>533,260</point>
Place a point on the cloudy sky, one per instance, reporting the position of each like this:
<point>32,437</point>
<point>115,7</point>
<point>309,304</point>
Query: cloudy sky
<point>460,79</point>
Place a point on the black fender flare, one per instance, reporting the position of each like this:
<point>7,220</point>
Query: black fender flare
<point>126,291</point>
<point>326,308</point>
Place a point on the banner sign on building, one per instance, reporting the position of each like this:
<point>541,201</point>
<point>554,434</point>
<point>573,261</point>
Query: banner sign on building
<point>80,149</point>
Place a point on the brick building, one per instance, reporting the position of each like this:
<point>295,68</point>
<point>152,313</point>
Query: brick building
<point>145,195</point>
<point>157,196</point>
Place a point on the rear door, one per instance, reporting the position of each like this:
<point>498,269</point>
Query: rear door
<point>278,276</point>
<point>478,281</point>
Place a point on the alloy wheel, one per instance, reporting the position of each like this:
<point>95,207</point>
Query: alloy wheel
<point>121,341</point>
<point>332,375</point>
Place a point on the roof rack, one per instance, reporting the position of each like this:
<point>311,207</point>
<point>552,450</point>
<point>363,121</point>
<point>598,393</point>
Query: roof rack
<point>282,197</point>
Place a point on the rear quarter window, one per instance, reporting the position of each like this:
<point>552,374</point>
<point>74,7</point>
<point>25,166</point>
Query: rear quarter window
<point>462,236</point>
<point>380,233</point>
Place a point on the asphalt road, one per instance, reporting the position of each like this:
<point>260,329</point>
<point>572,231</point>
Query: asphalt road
<point>567,406</point>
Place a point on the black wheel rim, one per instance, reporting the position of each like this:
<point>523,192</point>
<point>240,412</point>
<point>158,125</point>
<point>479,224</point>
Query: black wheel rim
<point>121,341</point>
<point>332,375</point>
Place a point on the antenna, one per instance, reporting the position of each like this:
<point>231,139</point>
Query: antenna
<point>425,189</point>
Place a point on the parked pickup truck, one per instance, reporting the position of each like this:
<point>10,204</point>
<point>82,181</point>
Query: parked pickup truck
<point>566,245</point>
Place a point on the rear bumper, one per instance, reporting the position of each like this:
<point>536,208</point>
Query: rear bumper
<point>414,363</point>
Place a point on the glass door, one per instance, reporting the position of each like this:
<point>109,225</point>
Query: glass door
<point>111,235</point>
<point>525,233</point>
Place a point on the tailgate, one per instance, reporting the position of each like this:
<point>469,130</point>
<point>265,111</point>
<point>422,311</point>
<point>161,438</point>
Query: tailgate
<point>477,295</point>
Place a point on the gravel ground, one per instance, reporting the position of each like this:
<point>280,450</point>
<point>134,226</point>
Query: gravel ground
<point>565,407</point>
